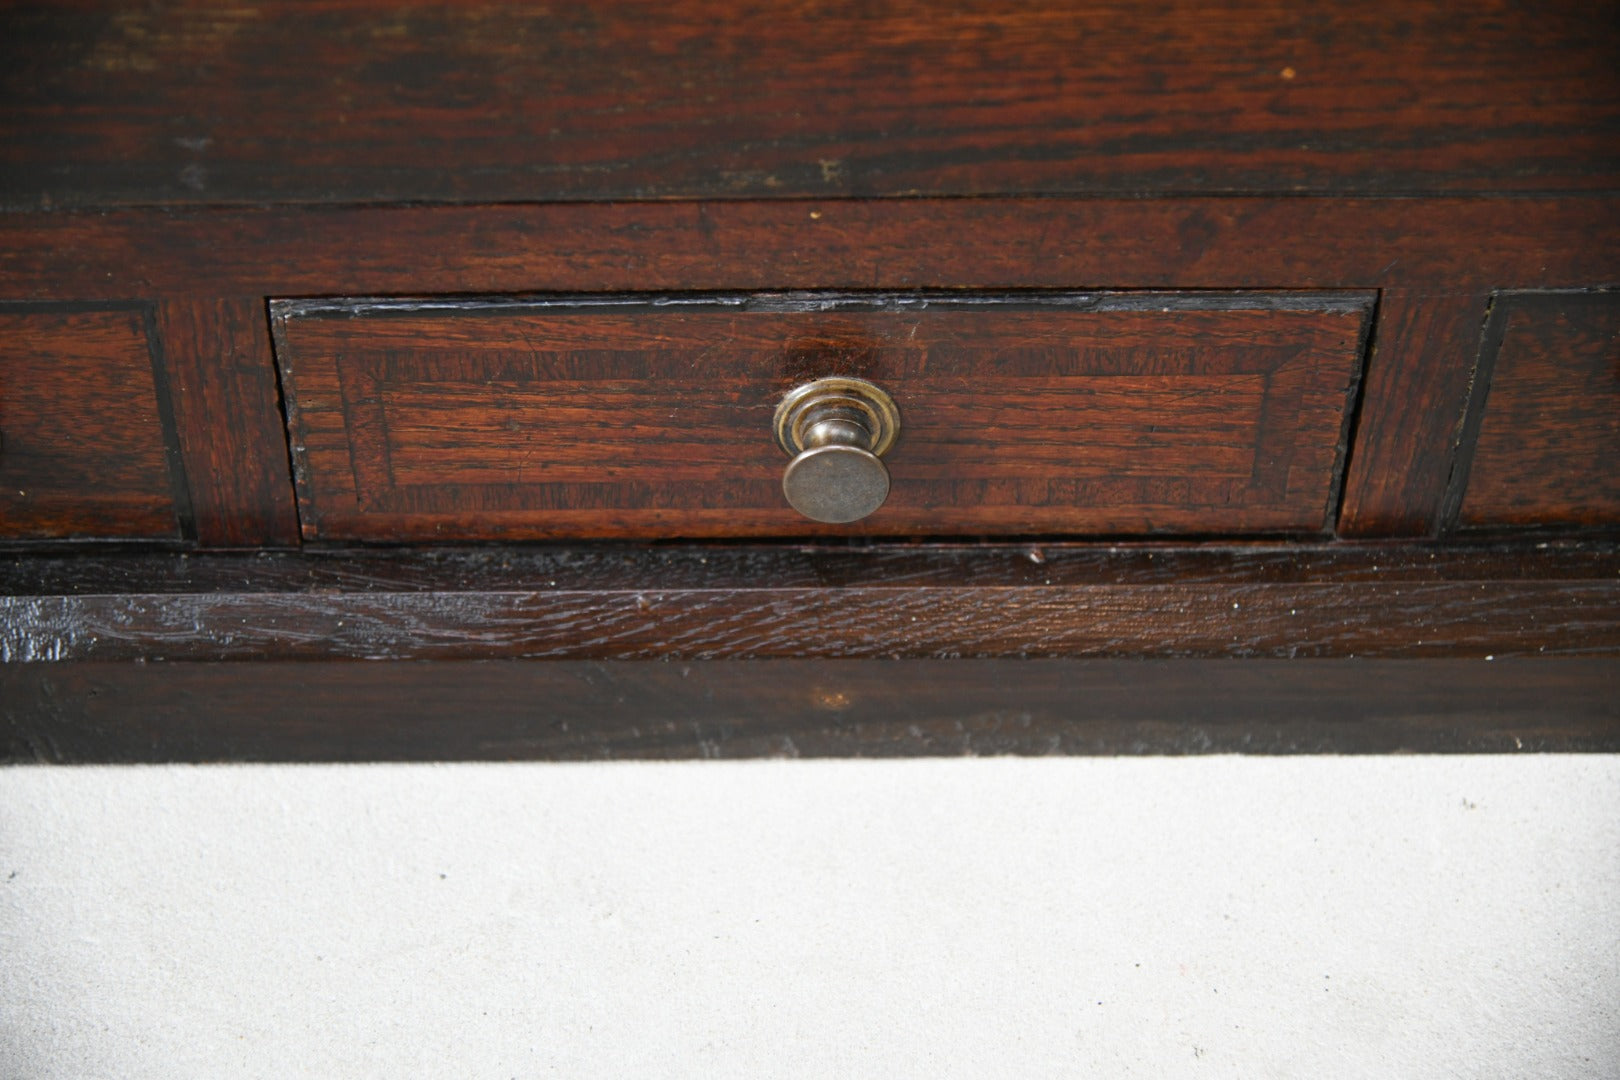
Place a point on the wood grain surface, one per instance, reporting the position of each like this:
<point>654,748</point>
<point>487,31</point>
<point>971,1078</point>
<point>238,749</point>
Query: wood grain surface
<point>228,416</point>
<point>580,710</point>
<point>1440,245</point>
<point>168,167</point>
<point>1023,414</point>
<point>610,602</point>
<point>210,103</point>
<point>1436,260</point>
<point>1544,426</point>
<point>84,452</point>
<point>1425,352</point>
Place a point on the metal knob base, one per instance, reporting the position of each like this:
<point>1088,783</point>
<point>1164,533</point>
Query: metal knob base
<point>837,429</point>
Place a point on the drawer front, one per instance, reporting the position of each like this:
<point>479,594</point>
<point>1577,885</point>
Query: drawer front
<point>1545,423</point>
<point>84,451</point>
<point>1121,414</point>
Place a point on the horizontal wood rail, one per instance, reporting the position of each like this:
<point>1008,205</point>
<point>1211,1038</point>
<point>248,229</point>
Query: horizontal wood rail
<point>873,601</point>
<point>646,651</point>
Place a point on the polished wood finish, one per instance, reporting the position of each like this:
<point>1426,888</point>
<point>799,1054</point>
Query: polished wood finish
<point>1440,246</point>
<point>1435,260</point>
<point>228,415</point>
<point>192,162</point>
<point>1418,377</point>
<point>498,710</point>
<point>1281,601</point>
<point>611,651</point>
<point>651,418</point>
<point>348,102</point>
<point>1544,428</point>
<point>83,447</point>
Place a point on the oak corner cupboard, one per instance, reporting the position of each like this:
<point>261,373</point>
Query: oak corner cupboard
<point>486,381</point>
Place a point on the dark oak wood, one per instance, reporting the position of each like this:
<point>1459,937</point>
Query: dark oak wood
<point>651,417</point>
<point>1285,601</point>
<point>169,168</point>
<point>1425,350</point>
<point>1544,426</point>
<point>1435,258</point>
<point>344,102</point>
<point>228,416</point>
<point>572,711</point>
<point>83,448</point>
<point>1440,246</point>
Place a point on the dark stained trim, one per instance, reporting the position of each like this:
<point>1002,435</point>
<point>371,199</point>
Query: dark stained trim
<point>224,397</point>
<point>1479,389</point>
<point>126,713</point>
<point>763,601</point>
<point>1450,245</point>
<point>1425,350</point>
<point>179,478</point>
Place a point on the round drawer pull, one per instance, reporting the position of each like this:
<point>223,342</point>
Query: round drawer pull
<point>837,429</point>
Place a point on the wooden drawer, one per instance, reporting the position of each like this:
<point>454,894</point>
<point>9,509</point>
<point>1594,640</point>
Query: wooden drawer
<point>1544,426</point>
<point>642,417</point>
<point>84,451</point>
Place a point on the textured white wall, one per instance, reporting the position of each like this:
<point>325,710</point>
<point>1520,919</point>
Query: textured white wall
<point>1208,917</point>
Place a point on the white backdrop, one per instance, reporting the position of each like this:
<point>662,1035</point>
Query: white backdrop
<point>1205,917</point>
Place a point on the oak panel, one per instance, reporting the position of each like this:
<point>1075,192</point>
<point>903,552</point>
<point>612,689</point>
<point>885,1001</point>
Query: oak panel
<point>650,417</point>
<point>346,101</point>
<point>1424,352</point>
<point>1547,420</point>
<point>83,447</point>
<point>228,418</point>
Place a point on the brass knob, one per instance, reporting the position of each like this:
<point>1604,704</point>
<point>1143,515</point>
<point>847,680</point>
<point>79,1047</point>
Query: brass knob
<point>837,429</point>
